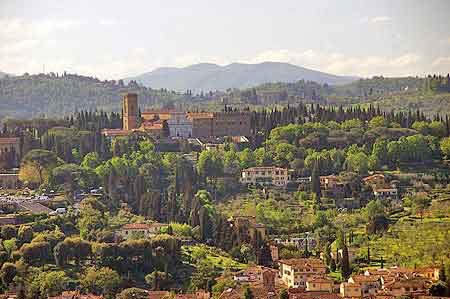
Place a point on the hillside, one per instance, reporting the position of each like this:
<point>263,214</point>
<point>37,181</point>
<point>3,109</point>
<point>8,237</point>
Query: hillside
<point>2,74</point>
<point>53,95</point>
<point>206,76</point>
<point>58,95</point>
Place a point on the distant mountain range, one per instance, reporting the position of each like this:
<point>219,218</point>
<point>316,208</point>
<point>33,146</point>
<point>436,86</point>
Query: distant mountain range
<point>2,74</point>
<point>208,76</point>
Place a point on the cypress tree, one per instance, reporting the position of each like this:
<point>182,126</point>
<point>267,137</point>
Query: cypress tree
<point>315,180</point>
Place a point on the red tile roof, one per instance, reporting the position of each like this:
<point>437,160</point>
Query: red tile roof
<point>115,132</point>
<point>9,140</point>
<point>136,226</point>
<point>158,294</point>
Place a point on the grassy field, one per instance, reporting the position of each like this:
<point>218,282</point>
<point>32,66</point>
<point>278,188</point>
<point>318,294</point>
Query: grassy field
<point>216,257</point>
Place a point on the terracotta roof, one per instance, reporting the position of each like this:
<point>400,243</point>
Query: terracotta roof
<point>300,261</point>
<point>158,294</point>
<point>115,132</point>
<point>9,140</point>
<point>75,295</point>
<point>143,225</point>
<point>413,282</point>
<point>208,115</point>
<point>364,278</point>
<point>313,295</point>
<point>136,226</point>
<point>153,125</point>
<point>319,279</point>
<point>264,168</point>
<point>370,177</point>
<point>351,284</point>
<point>304,263</point>
<point>230,294</point>
<point>426,269</point>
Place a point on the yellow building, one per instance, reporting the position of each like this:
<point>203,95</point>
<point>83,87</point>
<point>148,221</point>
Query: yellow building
<point>296,272</point>
<point>265,176</point>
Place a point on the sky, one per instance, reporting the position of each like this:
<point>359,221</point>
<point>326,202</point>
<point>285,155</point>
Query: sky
<point>113,39</point>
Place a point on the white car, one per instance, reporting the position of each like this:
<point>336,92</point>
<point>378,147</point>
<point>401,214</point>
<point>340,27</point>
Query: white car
<point>61,210</point>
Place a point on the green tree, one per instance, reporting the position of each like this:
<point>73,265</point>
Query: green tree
<point>101,281</point>
<point>36,253</point>
<point>52,283</point>
<point>158,280</point>
<point>315,180</point>
<point>445,147</point>
<point>352,124</point>
<point>439,288</point>
<point>378,121</point>
<point>37,166</point>
<point>8,232</point>
<point>210,164</point>
<point>203,275</point>
<point>419,203</point>
<point>345,262</point>
<point>25,233</point>
<point>379,156</point>
<point>284,153</point>
<point>357,163</point>
<point>7,273</point>
<point>284,294</point>
<point>248,294</point>
<point>91,160</point>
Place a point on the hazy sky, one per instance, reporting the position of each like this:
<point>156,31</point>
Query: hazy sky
<point>114,39</point>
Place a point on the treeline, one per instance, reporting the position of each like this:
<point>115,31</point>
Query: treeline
<point>264,121</point>
<point>437,83</point>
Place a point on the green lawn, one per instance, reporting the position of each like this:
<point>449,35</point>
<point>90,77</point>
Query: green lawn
<point>219,258</point>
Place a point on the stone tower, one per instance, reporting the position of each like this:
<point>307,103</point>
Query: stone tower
<point>130,111</point>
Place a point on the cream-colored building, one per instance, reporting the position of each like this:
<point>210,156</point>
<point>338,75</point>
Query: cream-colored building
<point>296,272</point>
<point>350,290</point>
<point>369,284</point>
<point>140,230</point>
<point>319,284</point>
<point>264,176</point>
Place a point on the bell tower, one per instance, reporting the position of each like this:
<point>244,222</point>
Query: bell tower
<point>130,111</point>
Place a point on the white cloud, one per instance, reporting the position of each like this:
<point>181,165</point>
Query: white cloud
<point>441,61</point>
<point>341,64</point>
<point>111,22</point>
<point>375,20</point>
<point>112,67</point>
<point>21,40</point>
<point>16,29</point>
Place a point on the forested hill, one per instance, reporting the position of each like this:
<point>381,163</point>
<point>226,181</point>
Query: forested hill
<point>57,95</point>
<point>2,74</point>
<point>51,95</point>
<point>207,76</point>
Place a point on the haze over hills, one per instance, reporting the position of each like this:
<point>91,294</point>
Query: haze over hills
<point>208,76</point>
<point>2,74</point>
